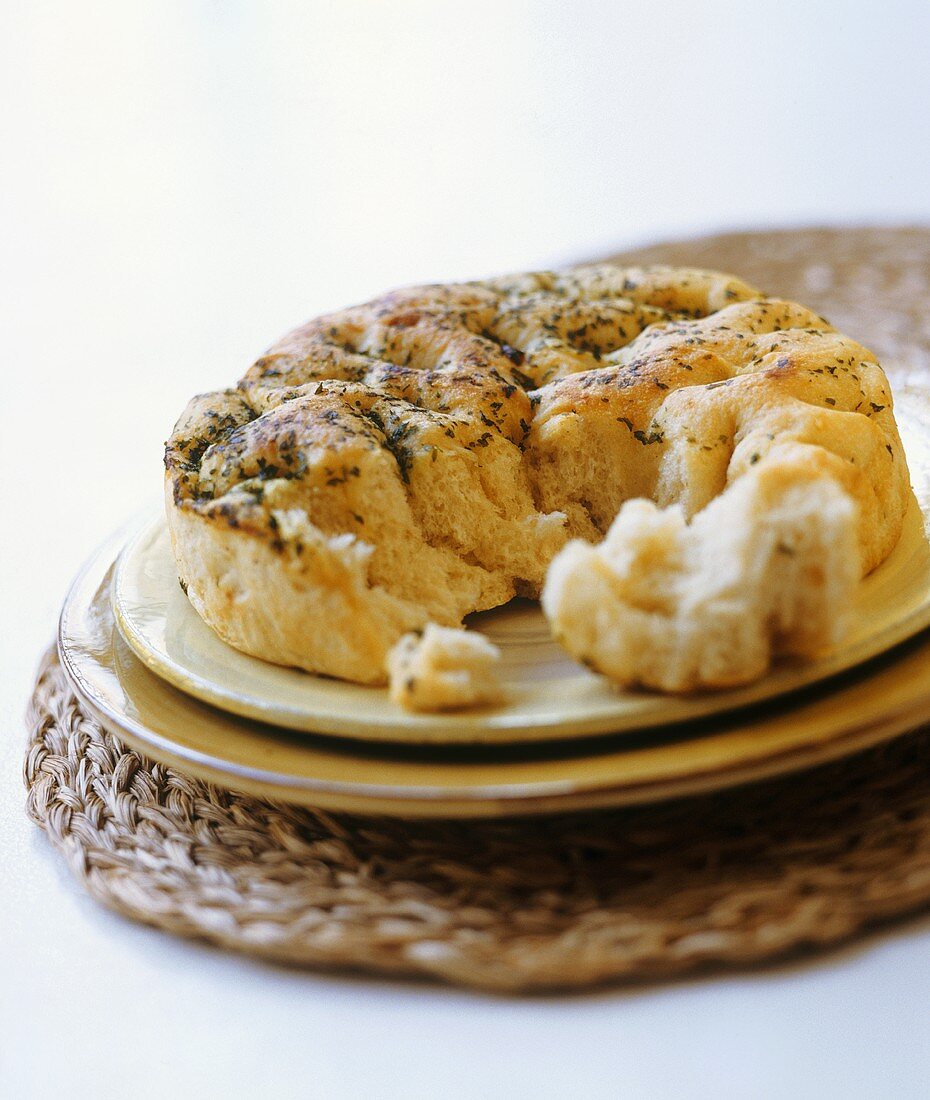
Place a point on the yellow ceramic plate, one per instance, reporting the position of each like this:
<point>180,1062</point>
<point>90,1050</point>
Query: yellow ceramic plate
<point>548,695</point>
<point>864,707</point>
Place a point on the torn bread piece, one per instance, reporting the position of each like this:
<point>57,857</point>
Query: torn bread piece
<point>770,566</point>
<point>444,669</point>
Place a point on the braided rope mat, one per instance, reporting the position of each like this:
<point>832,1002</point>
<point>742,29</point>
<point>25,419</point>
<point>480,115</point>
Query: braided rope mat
<point>565,902</point>
<point>647,893</point>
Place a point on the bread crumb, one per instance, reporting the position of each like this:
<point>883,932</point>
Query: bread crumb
<point>444,669</point>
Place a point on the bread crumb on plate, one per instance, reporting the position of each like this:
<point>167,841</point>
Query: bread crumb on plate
<point>444,669</point>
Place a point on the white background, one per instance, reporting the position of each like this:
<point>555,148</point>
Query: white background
<point>181,182</point>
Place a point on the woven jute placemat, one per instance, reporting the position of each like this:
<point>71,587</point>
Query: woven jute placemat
<point>648,893</point>
<point>565,902</point>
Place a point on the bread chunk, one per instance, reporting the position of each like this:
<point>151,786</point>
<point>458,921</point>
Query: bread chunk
<point>444,669</point>
<point>768,567</point>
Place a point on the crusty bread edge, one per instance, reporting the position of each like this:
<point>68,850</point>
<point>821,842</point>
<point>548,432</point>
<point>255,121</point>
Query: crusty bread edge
<point>320,614</point>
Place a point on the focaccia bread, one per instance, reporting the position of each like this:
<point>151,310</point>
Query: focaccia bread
<point>429,454</point>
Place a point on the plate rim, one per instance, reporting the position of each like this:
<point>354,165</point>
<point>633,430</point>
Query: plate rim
<point>487,800</point>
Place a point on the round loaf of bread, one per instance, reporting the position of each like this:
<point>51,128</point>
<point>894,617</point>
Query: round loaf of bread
<point>430,453</point>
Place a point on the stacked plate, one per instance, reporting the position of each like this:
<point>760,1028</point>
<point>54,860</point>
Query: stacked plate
<point>144,663</point>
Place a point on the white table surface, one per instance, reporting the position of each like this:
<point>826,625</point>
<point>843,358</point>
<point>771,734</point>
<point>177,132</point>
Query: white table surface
<point>181,182</point>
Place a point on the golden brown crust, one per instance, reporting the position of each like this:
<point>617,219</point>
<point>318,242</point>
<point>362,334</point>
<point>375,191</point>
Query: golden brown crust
<point>449,439</point>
